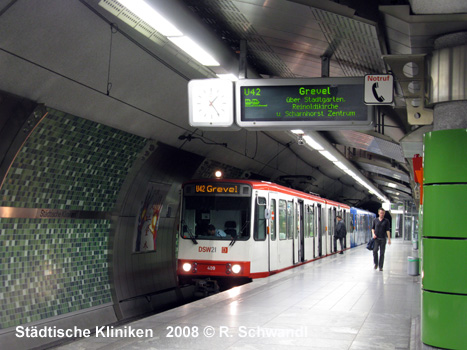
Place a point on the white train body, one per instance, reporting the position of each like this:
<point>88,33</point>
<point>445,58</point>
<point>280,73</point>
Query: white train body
<point>268,228</point>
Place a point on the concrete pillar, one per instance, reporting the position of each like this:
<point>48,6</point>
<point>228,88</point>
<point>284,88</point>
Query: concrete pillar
<point>444,241</point>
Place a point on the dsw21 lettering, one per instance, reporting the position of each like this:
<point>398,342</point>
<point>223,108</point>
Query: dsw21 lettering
<point>203,249</point>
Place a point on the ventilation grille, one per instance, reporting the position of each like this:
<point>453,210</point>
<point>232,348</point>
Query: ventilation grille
<point>121,12</point>
<point>369,143</point>
<point>224,17</point>
<point>392,173</point>
<point>354,43</point>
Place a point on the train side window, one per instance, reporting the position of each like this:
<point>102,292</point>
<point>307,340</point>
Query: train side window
<point>260,220</point>
<point>282,219</point>
<point>330,222</point>
<point>272,222</point>
<point>309,221</point>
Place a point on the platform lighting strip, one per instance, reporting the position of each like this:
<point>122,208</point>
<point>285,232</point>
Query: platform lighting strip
<point>148,14</point>
<point>310,141</point>
<point>228,76</point>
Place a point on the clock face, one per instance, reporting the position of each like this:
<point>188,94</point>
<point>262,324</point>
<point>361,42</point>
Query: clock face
<point>210,102</point>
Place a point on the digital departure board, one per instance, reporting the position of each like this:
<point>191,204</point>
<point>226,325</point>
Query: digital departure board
<point>317,103</point>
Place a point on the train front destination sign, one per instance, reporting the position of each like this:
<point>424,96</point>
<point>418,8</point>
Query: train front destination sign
<point>316,103</point>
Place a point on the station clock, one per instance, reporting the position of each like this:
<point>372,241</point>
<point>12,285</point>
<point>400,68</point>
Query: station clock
<point>211,102</point>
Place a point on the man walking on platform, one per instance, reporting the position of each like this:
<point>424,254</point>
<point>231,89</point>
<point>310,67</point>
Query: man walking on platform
<point>380,230</point>
<point>340,234</point>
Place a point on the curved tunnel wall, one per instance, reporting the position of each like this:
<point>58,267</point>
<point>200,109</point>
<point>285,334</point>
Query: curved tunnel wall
<point>145,280</point>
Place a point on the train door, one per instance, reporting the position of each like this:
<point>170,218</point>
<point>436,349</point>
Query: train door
<point>345,217</point>
<point>301,236</point>
<point>260,257</point>
<point>298,233</point>
<point>272,236</point>
<point>324,229</point>
<point>295,246</point>
<point>313,230</point>
<point>309,232</point>
<point>332,229</point>
<point>319,227</point>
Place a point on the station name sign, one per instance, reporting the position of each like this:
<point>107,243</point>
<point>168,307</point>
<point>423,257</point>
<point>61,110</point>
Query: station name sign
<point>42,213</point>
<point>316,103</point>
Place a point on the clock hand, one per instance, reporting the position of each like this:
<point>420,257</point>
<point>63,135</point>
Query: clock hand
<point>211,104</point>
<point>215,109</point>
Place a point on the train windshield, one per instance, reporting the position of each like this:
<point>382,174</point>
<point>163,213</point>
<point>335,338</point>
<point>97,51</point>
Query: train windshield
<point>216,217</point>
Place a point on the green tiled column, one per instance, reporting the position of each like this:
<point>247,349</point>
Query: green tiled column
<point>444,268</point>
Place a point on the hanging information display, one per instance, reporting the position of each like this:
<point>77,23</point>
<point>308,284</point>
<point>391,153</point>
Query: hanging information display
<point>317,103</point>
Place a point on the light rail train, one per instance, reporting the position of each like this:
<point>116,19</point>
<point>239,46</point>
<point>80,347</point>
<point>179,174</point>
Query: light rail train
<point>252,229</point>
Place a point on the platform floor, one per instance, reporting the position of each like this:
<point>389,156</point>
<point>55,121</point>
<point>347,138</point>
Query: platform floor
<point>339,302</point>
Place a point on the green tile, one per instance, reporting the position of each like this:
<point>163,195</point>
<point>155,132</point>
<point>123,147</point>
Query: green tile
<point>70,163</point>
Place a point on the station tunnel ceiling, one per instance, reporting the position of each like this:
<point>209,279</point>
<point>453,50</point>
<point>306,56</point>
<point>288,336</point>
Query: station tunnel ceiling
<point>87,59</point>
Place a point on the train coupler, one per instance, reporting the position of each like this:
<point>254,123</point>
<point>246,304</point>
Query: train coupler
<point>205,287</point>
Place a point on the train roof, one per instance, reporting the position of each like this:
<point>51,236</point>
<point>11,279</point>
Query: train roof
<point>266,185</point>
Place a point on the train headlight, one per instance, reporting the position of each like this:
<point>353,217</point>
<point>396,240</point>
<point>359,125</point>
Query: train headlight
<point>236,268</point>
<point>186,267</point>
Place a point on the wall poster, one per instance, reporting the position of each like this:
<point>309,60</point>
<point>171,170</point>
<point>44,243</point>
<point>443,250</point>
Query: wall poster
<point>148,217</point>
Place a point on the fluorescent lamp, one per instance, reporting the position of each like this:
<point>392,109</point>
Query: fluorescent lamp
<point>229,76</point>
<point>328,156</point>
<point>148,14</point>
<point>390,184</point>
<point>194,50</point>
<point>361,181</point>
<point>312,143</point>
<point>341,166</point>
<point>144,11</point>
<point>297,131</point>
<point>351,173</point>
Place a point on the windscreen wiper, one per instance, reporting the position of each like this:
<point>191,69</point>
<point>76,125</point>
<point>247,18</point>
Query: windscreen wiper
<point>232,242</point>
<point>190,234</point>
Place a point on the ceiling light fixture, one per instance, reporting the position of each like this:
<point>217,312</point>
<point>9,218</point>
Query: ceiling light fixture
<point>229,76</point>
<point>194,50</point>
<point>341,166</point>
<point>328,155</point>
<point>148,14</point>
<point>315,141</point>
<point>312,143</point>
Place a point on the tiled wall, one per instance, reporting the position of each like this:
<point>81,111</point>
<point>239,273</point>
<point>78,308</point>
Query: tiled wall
<point>50,267</point>
<point>70,163</point>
